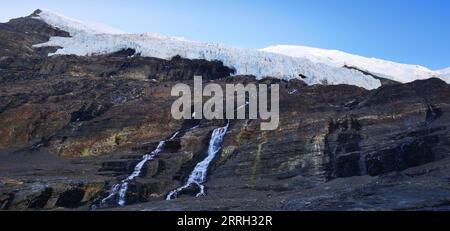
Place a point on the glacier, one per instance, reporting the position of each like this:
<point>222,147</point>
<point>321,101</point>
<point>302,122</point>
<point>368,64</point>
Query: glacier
<point>445,72</point>
<point>445,75</point>
<point>74,26</point>
<point>88,40</point>
<point>402,73</point>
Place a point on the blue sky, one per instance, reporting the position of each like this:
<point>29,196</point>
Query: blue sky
<point>407,31</point>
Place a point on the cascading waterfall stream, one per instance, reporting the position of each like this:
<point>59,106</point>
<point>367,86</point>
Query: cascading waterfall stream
<point>431,114</point>
<point>198,175</point>
<point>121,189</point>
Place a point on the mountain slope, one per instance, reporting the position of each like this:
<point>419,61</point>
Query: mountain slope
<point>86,40</point>
<point>399,72</point>
<point>72,127</point>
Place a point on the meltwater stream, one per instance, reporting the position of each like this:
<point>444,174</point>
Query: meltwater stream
<point>121,189</point>
<point>198,175</point>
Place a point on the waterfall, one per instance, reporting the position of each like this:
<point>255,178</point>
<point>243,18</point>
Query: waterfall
<point>198,175</point>
<point>431,109</point>
<point>121,188</point>
<point>431,113</point>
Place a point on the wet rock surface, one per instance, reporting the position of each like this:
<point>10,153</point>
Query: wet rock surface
<point>72,127</point>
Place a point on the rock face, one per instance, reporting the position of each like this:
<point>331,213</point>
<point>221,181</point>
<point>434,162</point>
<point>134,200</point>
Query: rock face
<point>72,127</point>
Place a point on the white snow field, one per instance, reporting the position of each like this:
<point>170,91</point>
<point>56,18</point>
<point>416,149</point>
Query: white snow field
<point>285,62</point>
<point>445,71</point>
<point>88,40</point>
<point>74,26</point>
<point>445,75</point>
<point>403,73</point>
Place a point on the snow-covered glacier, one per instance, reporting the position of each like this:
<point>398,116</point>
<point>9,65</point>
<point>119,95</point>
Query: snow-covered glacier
<point>445,75</point>
<point>445,72</point>
<point>92,40</point>
<point>403,73</point>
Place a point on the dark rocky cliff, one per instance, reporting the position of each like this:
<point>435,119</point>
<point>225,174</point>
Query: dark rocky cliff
<point>71,127</point>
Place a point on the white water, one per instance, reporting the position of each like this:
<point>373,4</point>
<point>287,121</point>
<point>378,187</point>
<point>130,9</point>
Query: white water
<point>122,188</point>
<point>431,114</point>
<point>198,175</point>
